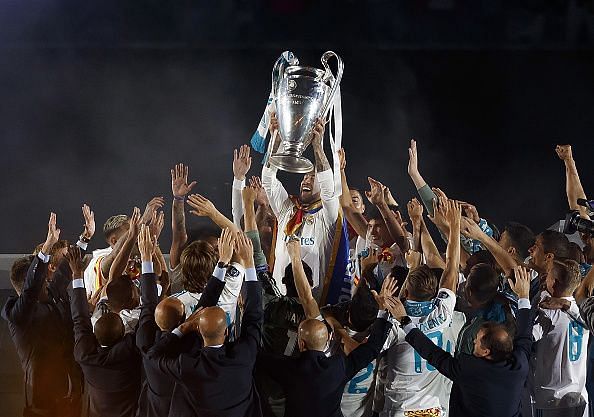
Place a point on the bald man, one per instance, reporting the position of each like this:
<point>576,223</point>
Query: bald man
<point>158,319</point>
<point>313,382</point>
<point>217,378</point>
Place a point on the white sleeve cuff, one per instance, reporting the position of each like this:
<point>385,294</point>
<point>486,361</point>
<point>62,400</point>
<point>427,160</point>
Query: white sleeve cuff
<point>147,267</point>
<point>250,274</point>
<point>82,245</point>
<point>326,175</point>
<point>44,258</point>
<point>239,267</point>
<point>238,184</point>
<point>219,273</point>
<point>409,327</point>
<point>159,290</point>
<point>523,303</point>
<point>78,283</point>
<point>382,314</point>
<point>177,332</point>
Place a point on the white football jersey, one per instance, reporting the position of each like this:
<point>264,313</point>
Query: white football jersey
<point>410,383</point>
<point>317,236</point>
<point>357,395</point>
<point>559,364</point>
<point>90,274</point>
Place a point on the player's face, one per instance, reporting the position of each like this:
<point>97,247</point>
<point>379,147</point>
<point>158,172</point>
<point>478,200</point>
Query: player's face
<point>538,255</point>
<point>306,189</point>
<point>479,351</point>
<point>377,233</point>
<point>357,201</point>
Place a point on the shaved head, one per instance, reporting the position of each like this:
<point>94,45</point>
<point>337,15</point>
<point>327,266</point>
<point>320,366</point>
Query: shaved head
<point>313,335</point>
<point>169,313</point>
<point>109,329</point>
<point>212,325</point>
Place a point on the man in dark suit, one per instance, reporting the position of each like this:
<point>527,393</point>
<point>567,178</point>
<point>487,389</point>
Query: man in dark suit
<point>41,328</point>
<point>313,382</point>
<point>218,377</point>
<point>159,389</point>
<point>491,380</point>
<point>109,359</point>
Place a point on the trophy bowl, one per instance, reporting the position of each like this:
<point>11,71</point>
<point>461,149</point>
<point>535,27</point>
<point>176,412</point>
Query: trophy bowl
<point>303,94</point>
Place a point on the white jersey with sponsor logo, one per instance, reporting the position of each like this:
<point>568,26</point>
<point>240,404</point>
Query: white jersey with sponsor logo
<point>559,364</point>
<point>228,298</point>
<point>357,396</point>
<point>317,236</point>
<point>409,383</point>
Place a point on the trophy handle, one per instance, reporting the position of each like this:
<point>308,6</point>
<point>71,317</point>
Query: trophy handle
<point>328,75</point>
<point>286,59</point>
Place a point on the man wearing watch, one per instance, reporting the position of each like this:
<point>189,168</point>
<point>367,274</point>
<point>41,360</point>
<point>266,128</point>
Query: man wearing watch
<point>489,382</point>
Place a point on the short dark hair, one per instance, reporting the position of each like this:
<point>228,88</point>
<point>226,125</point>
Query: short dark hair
<point>373,214</point>
<point>362,309</point>
<point>567,274</point>
<point>556,243</point>
<point>18,272</point>
<point>497,339</point>
<point>109,329</point>
<point>120,293</point>
<point>422,283</point>
<point>479,257</point>
<point>289,279</point>
<point>521,236</point>
<point>576,253</point>
<point>483,282</point>
<point>399,273</point>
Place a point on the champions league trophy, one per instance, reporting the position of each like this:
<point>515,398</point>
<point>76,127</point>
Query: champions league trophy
<point>302,95</point>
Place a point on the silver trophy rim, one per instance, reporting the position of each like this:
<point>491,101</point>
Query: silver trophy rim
<point>291,163</point>
<point>291,70</point>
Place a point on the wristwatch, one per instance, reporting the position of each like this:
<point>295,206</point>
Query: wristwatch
<point>83,238</point>
<point>405,321</point>
<point>221,265</point>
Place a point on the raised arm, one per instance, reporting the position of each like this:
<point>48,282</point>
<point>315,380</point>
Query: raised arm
<point>573,185</point>
<point>521,287</point>
<point>376,197</point>
<point>36,275</point>
<point>242,161</point>
<point>470,229</point>
<point>427,245</point>
<point>309,303</point>
<point>179,188</point>
<point>147,328</point>
<point>324,175</point>
<point>355,219</point>
<point>449,278</point>
<point>203,207</point>
<point>85,343</point>
<point>249,195</point>
<point>118,267</point>
<point>253,314</point>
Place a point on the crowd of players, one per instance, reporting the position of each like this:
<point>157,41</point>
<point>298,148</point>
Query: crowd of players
<point>238,323</point>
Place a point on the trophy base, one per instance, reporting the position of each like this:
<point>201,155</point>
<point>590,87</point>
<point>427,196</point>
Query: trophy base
<point>291,163</point>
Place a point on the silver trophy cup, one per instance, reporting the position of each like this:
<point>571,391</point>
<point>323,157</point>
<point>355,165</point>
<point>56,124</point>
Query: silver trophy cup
<point>302,95</point>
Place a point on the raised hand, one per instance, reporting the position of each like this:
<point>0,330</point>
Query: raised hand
<point>274,126</point>
<point>413,168</point>
<point>226,243</point>
<point>370,259</point>
<point>470,229</point>
<point>249,195</point>
<point>390,200</point>
<point>318,132</point>
<point>453,212</point>
<point>388,289</point>
<point>413,258</point>
<point>135,222</point>
<point>564,152</point>
<point>202,206</point>
<point>376,194</point>
<point>156,224</point>
<point>522,284</point>
<point>53,234</point>
<point>244,250</point>
<point>470,211</point>
<point>74,258</point>
<point>415,210</point>
<point>146,243</point>
<point>89,225</point>
<point>294,247</point>
<point>242,161</point>
<point>152,206</point>
<point>179,181</point>
<point>342,159</point>
<point>395,307</point>
<point>439,205</point>
<point>261,198</point>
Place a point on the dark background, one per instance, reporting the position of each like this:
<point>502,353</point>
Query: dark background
<point>98,101</point>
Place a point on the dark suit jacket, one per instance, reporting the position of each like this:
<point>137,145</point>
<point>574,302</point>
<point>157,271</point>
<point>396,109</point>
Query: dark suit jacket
<point>314,383</point>
<point>482,387</point>
<point>43,338</point>
<point>218,381</point>
<point>112,374</point>
<point>159,389</point>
